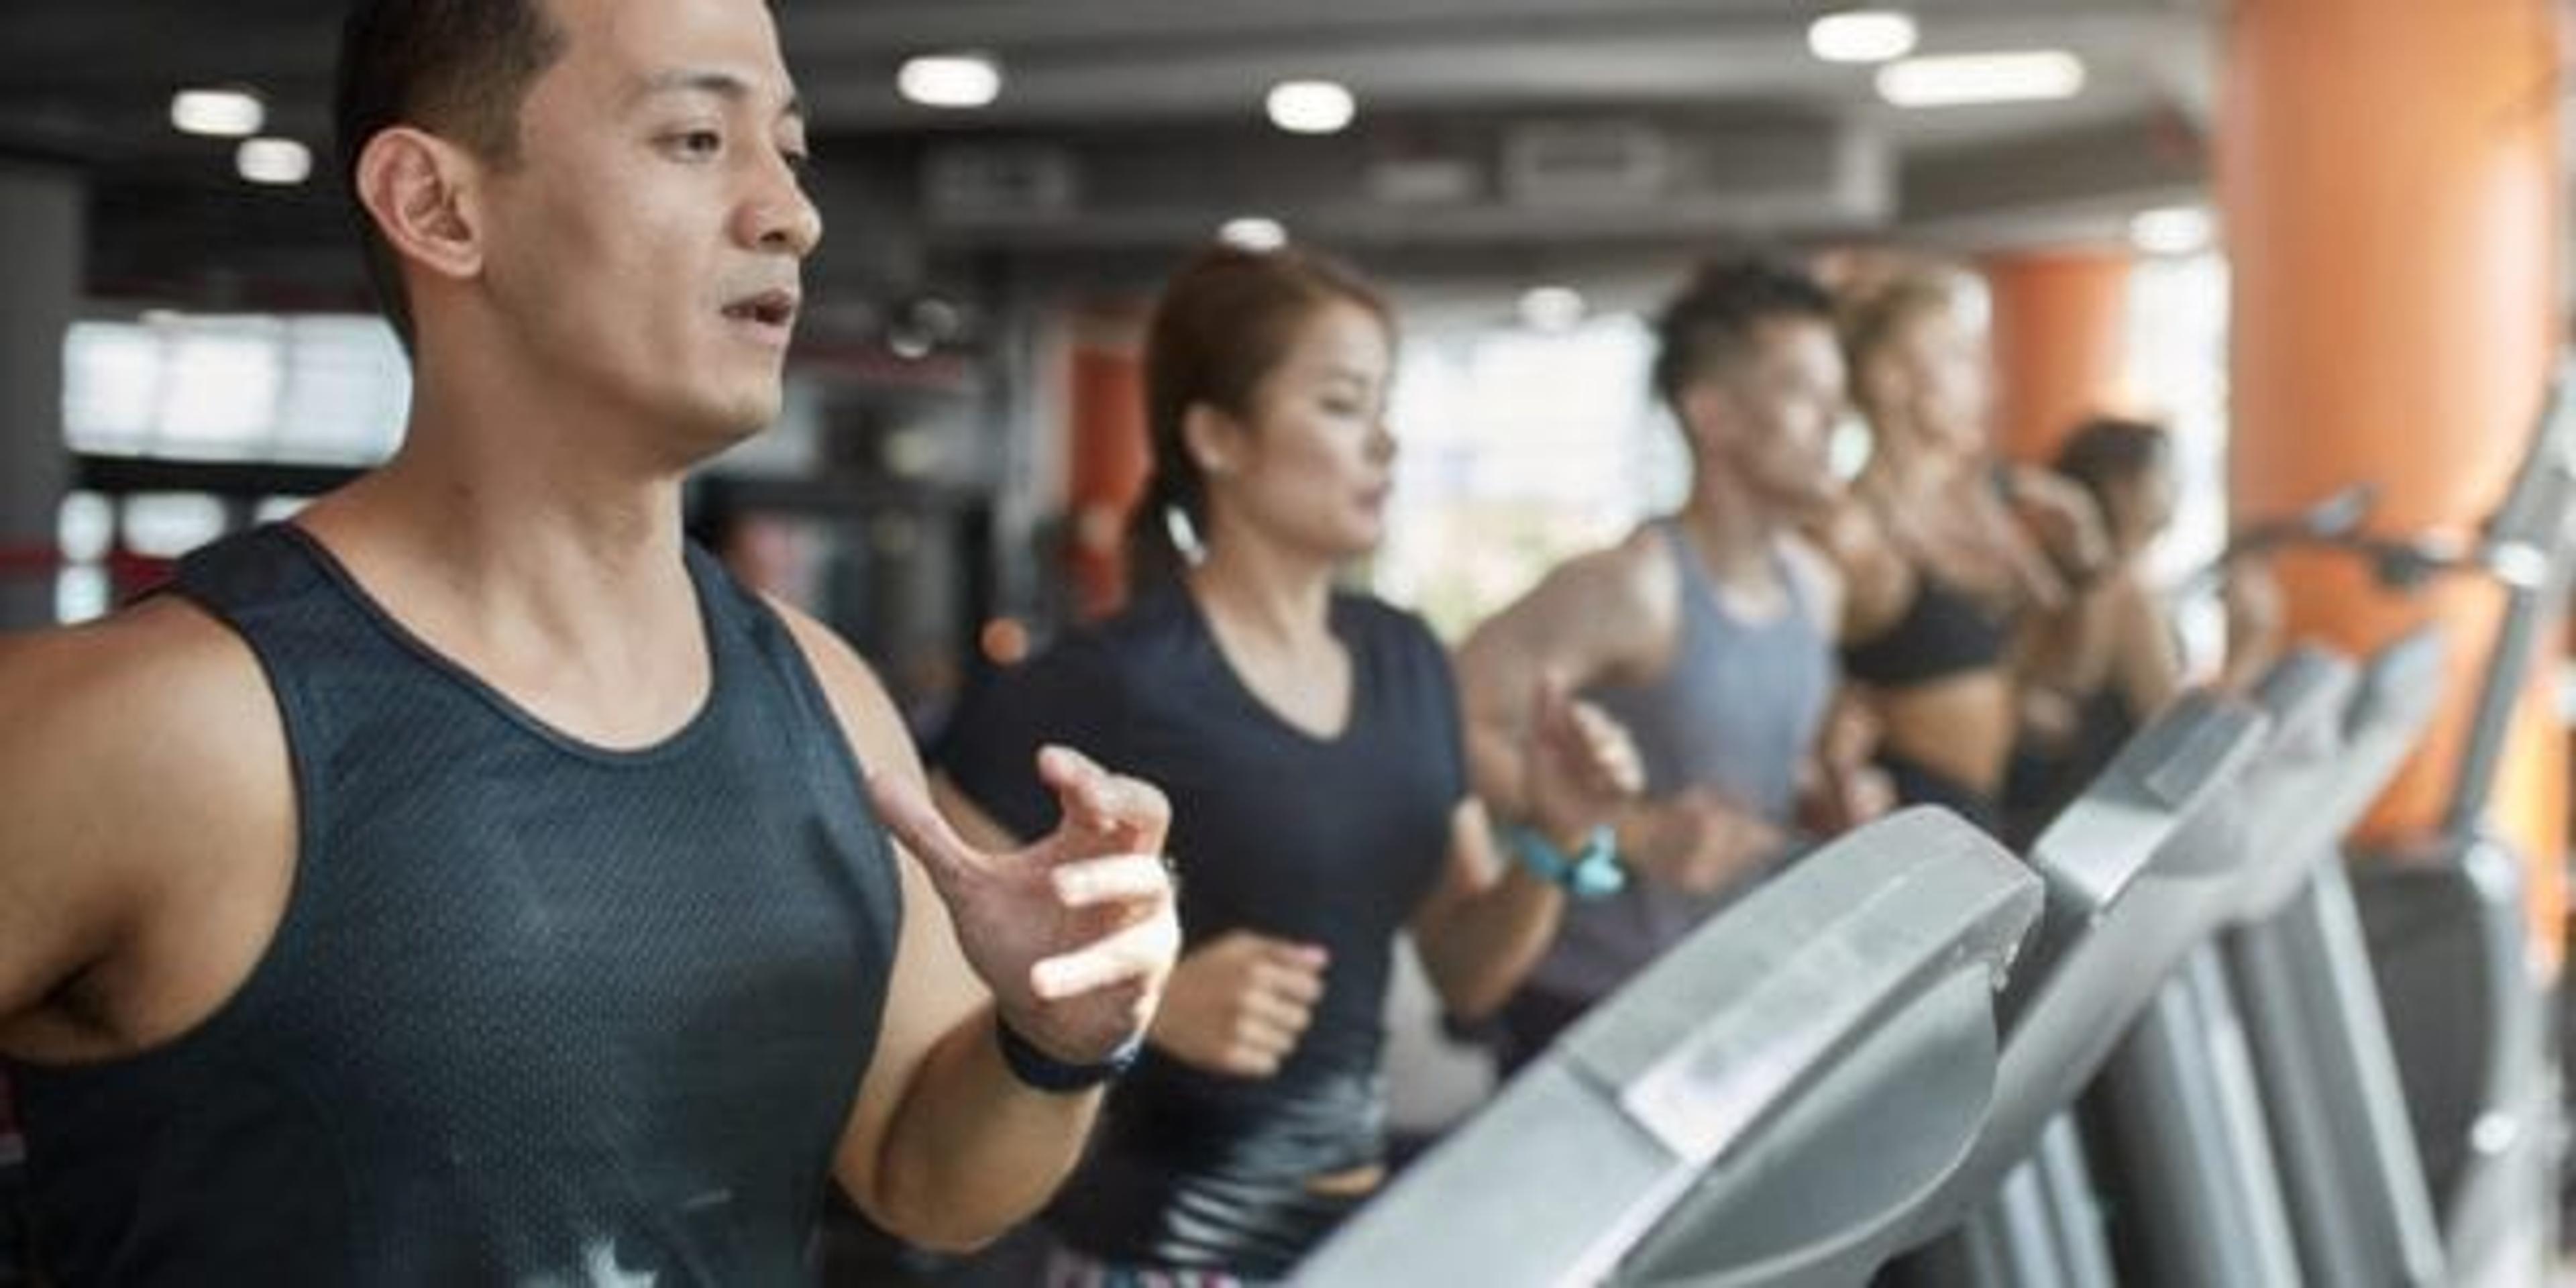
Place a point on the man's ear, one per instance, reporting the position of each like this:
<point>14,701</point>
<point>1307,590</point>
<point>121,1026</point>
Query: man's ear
<point>421,192</point>
<point>1212,438</point>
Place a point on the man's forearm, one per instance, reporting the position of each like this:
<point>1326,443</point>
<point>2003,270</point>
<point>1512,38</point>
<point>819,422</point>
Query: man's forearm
<point>1494,769</point>
<point>973,1150</point>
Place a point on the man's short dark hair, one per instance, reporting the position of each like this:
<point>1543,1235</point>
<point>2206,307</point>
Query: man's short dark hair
<point>1713,320</point>
<point>457,68</point>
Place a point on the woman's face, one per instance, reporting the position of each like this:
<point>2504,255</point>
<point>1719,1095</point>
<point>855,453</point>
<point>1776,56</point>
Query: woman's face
<point>1308,465</point>
<point>2142,506</point>
<point>1941,366</point>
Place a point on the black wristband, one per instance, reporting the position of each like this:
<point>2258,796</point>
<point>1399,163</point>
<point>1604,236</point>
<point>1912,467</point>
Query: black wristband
<point>1046,1073</point>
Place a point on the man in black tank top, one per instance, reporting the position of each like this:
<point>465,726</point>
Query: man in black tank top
<point>468,884</point>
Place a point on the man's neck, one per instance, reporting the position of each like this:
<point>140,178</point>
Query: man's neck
<point>1733,529</point>
<point>550,569</point>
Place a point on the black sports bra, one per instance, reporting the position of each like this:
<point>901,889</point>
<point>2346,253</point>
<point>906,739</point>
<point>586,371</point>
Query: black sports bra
<point>1944,632</point>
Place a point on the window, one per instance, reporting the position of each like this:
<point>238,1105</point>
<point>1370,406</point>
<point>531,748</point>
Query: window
<point>1519,449</point>
<point>310,390</point>
<point>302,390</point>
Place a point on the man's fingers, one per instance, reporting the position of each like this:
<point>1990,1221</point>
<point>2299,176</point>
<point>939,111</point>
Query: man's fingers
<point>907,811</point>
<point>1121,878</point>
<point>1551,694</point>
<point>1609,755</point>
<point>1759,838</point>
<point>1130,953</point>
<point>1594,749</point>
<point>1060,765</point>
<point>1079,783</point>
<point>1098,800</point>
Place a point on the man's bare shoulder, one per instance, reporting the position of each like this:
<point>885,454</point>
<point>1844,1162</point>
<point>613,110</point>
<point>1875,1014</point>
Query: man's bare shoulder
<point>1605,614</point>
<point>1630,590</point>
<point>1633,575</point>
<point>142,765</point>
<point>160,679</point>
<point>859,700</point>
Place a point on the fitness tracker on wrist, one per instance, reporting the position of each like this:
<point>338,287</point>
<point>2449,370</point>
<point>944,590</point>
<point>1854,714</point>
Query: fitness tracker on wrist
<point>1591,872</point>
<point>1046,1073</point>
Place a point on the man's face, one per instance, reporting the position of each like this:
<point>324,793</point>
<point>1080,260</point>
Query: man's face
<point>645,249</point>
<point>1769,414</point>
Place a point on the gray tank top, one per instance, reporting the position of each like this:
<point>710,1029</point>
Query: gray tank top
<point>1737,710</point>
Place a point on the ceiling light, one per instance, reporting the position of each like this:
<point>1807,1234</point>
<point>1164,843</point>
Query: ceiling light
<point>1954,80</point>
<point>1254,233</point>
<point>1311,106</point>
<point>1552,308</point>
<point>273,161</point>
<point>1862,36</point>
<point>217,113</point>
<point>949,80</point>
<point>2172,230</point>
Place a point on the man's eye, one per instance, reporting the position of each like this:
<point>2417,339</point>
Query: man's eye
<point>698,143</point>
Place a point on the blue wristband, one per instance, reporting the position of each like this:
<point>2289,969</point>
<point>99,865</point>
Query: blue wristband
<point>1592,872</point>
<point>1046,1073</point>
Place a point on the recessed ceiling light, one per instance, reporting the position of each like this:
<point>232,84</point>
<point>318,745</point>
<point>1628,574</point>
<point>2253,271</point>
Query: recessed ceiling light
<point>950,80</point>
<point>1552,308</point>
<point>1253,232</point>
<point>1311,106</point>
<point>1955,80</point>
<point>2172,230</point>
<point>273,161</point>
<point>1862,36</point>
<point>217,113</point>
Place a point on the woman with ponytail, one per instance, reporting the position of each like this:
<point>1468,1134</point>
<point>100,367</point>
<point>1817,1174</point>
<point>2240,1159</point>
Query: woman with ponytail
<point>1310,741</point>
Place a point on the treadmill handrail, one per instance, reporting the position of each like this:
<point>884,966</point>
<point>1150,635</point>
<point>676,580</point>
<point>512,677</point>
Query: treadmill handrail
<point>2305,694</point>
<point>2401,685</point>
<point>2524,544</point>
<point>2533,511</point>
<point>2392,697</point>
<point>2128,868</point>
<point>1916,893</point>
<point>2110,835</point>
<point>2306,687</point>
<point>1621,1163</point>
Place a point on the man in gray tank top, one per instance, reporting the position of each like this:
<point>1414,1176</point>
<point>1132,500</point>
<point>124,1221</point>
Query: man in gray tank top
<point>1709,632</point>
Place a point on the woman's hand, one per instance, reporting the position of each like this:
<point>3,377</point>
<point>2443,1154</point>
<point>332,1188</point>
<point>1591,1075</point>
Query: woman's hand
<point>1239,1003</point>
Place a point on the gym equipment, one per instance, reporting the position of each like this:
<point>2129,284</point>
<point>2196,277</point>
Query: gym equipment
<point>2135,868</point>
<point>1770,1102</point>
<point>2351,1176</point>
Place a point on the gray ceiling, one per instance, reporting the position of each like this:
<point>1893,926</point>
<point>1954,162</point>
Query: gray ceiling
<point>1493,133</point>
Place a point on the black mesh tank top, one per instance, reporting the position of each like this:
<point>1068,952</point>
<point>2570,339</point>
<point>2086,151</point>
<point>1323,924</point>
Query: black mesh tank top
<point>537,1014</point>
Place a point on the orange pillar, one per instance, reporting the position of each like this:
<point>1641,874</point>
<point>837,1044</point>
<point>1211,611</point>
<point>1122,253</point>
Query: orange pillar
<point>2060,343</point>
<point>1107,460</point>
<point>2389,175</point>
